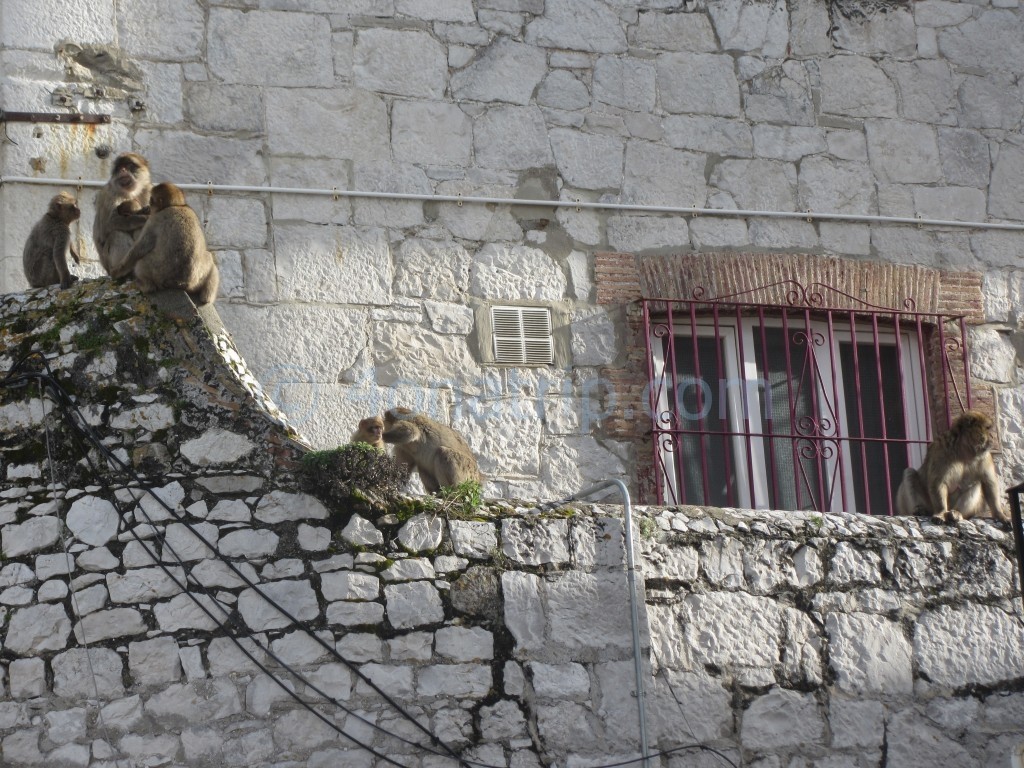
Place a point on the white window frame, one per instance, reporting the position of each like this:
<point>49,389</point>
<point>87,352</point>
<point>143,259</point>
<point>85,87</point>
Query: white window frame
<point>914,398</point>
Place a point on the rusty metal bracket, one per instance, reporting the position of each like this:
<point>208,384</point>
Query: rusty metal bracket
<point>51,117</point>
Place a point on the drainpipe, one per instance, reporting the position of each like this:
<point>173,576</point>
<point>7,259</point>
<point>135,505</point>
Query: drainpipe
<point>633,602</point>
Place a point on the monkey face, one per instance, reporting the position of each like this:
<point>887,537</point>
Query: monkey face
<point>65,208</point>
<point>396,414</point>
<point>372,426</point>
<point>973,432</point>
<point>129,170</point>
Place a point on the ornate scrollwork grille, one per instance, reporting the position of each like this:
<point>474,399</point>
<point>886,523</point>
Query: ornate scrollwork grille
<point>800,397</point>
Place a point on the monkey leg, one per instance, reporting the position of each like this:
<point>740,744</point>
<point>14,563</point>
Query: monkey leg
<point>430,482</point>
<point>939,497</point>
<point>452,467</point>
<point>911,497</point>
<point>969,501</point>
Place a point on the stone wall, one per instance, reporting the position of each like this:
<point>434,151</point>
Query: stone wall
<point>344,305</point>
<point>149,629</point>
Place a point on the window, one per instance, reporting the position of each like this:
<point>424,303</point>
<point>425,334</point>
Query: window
<point>799,407</point>
<point>522,335</point>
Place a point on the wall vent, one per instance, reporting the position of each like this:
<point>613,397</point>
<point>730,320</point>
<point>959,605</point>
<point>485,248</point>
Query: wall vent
<point>522,335</point>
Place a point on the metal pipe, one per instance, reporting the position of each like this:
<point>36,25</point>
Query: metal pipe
<point>633,602</point>
<point>578,204</point>
<point>1018,533</point>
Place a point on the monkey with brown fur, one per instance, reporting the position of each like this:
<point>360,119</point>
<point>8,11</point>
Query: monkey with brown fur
<point>440,454</point>
<point>122,205</point>
<point>45,256</point>
<point>171,249</point>
<point>369,431</point>
<point>958,477</point>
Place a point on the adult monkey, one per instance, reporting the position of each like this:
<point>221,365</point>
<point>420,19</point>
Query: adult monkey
<point>440,454</point>
<point>122,205</point>
<point>958,477</point>
<point>171,250</point>
<point>45,256</point>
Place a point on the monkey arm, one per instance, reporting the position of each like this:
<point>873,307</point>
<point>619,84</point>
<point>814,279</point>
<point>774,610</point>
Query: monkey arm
<point>141,248</point>
<point>990,487</point>
<point>912,497</point>
<point>74,252</point>
<point>60,261</point>
<point>127,222</point>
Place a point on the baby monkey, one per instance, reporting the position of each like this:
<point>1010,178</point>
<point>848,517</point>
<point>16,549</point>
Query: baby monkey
<point>170,251</point>
<point>45,257</point>
<point>369,431</point>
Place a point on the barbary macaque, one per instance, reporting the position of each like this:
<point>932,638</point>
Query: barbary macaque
<point>958,478</point>
<point>171,249</point>
<point>370,431</point>
<point>45,256</point>
<point>122,205</point>
<point>439,453</point>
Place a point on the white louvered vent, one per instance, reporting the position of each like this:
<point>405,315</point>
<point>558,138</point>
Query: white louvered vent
<point>522,335</point>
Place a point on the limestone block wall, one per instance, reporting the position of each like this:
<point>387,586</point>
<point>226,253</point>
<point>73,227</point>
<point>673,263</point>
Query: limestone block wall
<point>344,305</point>
<point>225,617</point>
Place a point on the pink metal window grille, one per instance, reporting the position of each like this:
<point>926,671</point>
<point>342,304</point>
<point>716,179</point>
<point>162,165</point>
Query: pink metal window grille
<point>815,402</point>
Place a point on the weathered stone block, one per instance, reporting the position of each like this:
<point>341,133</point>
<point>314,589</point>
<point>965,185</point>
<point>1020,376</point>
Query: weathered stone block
<point>581,25</point>
<point>412,605</point>
<point>295,597</point>
<point>782,718</point>
<point>353,123</point>
<point>869,655</point>
<point>586,160</point>
<point>657,175</point>
<point>270,48</point>
<point>972,645</point>
<point>511,138</point>
<point>698,83</point>
<point>406,63</point>
<point>505,71</point>
<point>429,133</point>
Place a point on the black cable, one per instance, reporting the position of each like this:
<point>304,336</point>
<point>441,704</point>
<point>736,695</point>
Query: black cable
<point>69,411</point>
<point>81,428</point>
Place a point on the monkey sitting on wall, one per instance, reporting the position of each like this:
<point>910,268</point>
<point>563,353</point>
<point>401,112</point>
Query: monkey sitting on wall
<point>171,249</point>
<point>45,257</point>
<point>122,205</point>
<point>369,431</point>
<point>439,453</point>
<point>958,477</point>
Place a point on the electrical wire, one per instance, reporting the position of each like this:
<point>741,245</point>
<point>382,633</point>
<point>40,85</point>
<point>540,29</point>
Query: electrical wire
<point>83,432</point>
<point>69,411</point>
<point>74,595</point>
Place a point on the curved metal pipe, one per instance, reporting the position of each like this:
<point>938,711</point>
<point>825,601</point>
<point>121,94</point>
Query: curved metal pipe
<point>634,609</point>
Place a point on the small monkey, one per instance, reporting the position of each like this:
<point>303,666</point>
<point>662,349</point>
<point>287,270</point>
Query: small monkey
<point>45,257</point>
<point>370,431</point>
<point>958,477</point>
<point>171,249</point>
<point>122,205</point>
<point>440,454</point>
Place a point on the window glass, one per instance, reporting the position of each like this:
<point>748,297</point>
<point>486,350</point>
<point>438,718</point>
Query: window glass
<point>787,413</point>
